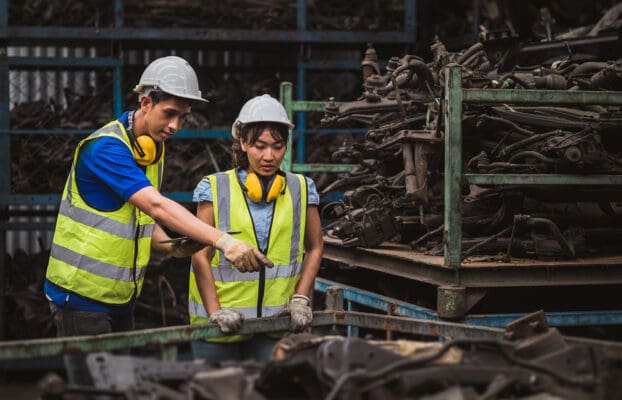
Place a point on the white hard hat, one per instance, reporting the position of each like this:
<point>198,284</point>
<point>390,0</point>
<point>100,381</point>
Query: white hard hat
<point>262,108</point>
<point>172,75</point>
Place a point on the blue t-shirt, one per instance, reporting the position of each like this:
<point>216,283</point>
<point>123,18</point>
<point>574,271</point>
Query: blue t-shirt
<point>261,212</point>
<point>107,176</point>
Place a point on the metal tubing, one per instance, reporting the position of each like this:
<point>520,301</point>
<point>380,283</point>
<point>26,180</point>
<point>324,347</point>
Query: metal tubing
<point>337,293</point>
<point>168,336</point>
<point>323,167</point>
<point>352,330</point>
<point>300,105</point>
<point>301,15</point>
<point>543,179</point>
<point>65,63</point>
<point>118,13</point>
<point>453,166</point>
<point>541,96</point>
<point>25,349</point>
<point>410,18</point>
<point>419,327</point>
<point>5,156</point>
<point>285,96</point>
<point>20,34</point>
<point>302,118</point>
<point>373,300</point>
<point>117,96</point>
<point>562,318</point>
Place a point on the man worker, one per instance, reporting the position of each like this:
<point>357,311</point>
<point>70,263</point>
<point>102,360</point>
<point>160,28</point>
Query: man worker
<point>111,211</point>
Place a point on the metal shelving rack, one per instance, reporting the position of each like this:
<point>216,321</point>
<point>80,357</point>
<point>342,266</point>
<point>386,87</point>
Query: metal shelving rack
<point>458,285</point>
<point>168,37</point>
<point>455,96</point>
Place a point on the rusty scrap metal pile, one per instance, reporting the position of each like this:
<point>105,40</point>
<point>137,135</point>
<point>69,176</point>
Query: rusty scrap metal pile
<point>163,301</point>
<point>535,362</point>
<point>396,189</point>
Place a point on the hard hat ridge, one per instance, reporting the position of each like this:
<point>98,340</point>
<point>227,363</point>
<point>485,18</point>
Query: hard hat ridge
<point>172,75</point>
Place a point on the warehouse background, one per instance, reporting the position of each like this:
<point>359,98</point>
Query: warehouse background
<point>57,85</point>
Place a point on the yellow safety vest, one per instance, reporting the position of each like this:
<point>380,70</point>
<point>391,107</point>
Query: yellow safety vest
<point>101,255</point>
<point>255,294</point>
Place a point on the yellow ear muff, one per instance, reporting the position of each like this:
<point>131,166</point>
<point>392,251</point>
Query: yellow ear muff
<point>254,187</point>
<point>275,189</point>
<point>255,190</point>
<point>147,151</point>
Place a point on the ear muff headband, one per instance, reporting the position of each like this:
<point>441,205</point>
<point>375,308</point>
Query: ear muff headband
<point>256,191</point>
<point>146,150</point>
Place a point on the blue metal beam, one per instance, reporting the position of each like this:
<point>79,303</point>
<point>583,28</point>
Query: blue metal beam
<point>202,134</point>
<point>184,133</point>
<point>301,15</point>
<point>401,308</point>
<point>564,318</point>
<point>410,18</point>
<point>64,63</point>
<point>30,199</point>
<point>376,301</point>
<point>5,153</point>
<point>34,33</point>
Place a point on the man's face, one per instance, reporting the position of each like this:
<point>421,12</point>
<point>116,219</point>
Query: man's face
<point>165,118</point>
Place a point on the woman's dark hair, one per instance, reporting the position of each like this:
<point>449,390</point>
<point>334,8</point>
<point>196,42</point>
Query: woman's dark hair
<point>249,133</point>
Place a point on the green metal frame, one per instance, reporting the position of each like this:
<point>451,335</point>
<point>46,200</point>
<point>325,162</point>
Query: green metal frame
<point>292,106</point>
<point>455,96</point>
<point>169,338</point>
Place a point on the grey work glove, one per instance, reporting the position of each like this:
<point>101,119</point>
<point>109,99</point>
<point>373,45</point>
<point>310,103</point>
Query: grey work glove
<point>244,257</point>
<point>228,320</point>
<point>299,309</point>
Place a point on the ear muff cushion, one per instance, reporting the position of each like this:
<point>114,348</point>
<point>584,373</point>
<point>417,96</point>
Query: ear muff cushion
<point>152,152</point>
<point>275,189</point>
<point>254,188</point>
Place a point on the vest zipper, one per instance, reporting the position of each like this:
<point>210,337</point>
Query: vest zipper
<point>262,271</point>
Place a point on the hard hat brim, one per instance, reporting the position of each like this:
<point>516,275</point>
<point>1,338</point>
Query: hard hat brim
<point>140,88</point>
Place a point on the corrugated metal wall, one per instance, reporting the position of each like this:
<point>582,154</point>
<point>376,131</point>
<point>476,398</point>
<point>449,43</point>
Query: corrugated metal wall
<point>33,85</point>
<point>31,241</point>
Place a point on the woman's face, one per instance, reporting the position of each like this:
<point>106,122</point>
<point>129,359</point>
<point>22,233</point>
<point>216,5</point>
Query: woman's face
<point>265,155</point>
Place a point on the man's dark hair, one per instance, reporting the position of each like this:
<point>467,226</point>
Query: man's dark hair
<point>158,96</point>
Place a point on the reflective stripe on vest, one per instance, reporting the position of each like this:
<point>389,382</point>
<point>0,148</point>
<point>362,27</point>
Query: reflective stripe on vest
<point>237,290</point>
<point>101,255</point>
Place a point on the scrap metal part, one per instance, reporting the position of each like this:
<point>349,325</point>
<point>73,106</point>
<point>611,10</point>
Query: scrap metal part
<point>532,362</point>
<point>396,190</point>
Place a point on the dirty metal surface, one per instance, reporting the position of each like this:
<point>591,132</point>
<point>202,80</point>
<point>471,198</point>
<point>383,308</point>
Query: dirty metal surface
<point>398,259</point>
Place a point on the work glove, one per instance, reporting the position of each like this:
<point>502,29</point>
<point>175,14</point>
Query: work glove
<point>228,320</point>
<point>244,257</point>
<point>299,309</point>
<point>185,247</point>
